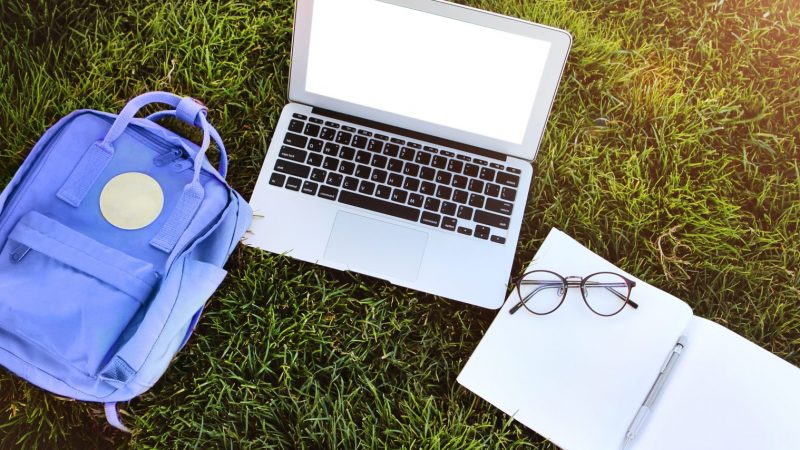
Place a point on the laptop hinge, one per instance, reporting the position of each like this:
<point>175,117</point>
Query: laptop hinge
<point>411,134</point>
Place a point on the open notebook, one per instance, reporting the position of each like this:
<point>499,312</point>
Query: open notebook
<point>579,379</point>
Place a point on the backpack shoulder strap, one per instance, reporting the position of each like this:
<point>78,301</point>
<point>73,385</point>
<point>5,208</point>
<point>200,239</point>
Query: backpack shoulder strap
<point>112,416</point>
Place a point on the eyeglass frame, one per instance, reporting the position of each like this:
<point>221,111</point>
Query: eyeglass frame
<point>566,283</point>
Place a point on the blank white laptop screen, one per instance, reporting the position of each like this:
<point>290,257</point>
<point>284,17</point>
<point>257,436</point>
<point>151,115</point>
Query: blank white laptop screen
<point>423,66</point>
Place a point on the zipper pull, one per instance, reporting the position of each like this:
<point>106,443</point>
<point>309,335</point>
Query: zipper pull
<point>168,157</point>
<point>19,253</point>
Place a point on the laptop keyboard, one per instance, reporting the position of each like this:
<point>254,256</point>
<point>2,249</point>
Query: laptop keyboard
<point>436,187</point>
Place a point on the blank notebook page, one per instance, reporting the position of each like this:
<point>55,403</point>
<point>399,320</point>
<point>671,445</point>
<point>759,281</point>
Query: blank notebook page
<point>725,393</point>
<point>573,376</point>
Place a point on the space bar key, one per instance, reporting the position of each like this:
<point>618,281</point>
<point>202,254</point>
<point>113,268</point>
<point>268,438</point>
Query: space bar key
<point>373,204</point>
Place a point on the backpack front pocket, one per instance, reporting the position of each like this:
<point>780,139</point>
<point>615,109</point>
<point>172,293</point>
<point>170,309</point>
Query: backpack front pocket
<point>66,293</point>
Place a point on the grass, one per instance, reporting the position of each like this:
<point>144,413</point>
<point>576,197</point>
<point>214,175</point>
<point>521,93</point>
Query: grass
<point>672,150</point>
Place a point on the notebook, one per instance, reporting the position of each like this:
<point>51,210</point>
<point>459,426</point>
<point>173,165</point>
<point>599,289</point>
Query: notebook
<point>579,379</point>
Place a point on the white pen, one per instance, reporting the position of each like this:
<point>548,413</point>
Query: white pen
<point>655,390</point>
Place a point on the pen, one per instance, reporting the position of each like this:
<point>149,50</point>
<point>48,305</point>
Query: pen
<point>655,390</point>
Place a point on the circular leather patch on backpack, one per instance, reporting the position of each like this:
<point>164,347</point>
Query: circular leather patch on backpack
<point>131,201</point>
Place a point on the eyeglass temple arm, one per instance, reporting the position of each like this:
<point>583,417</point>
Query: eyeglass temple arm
<point>542,285</point>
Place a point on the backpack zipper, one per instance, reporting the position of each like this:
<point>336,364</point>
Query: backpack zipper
<point>19,253</point>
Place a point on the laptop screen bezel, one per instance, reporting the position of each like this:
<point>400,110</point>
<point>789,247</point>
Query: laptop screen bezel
<point>560,43</point>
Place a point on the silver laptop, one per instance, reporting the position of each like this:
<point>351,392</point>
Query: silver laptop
<point>405,151</point>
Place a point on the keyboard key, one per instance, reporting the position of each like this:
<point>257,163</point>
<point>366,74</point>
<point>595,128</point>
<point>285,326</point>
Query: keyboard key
<point>383,191</point>
<point>499,206</point>
<point>359,142</point>
<point>475,185</point>
<point>299,116</point>
<point>318,175</point>
<point>498,239</point>
<point>423,158</point>
<point>449,208</point>
<point>328,192</point>
<point>480,162</point>
<point>377,205</point>
<point>476,200</point>
<point>314,159</point>
<point>277,179</point>
<point>293,154</point>
<point>291,168</point>
<point>429,218</point>
<point>482,232</point>
<point>464,212</point>
<point>363,171</point>
<point>399,196</point>
<point>375,146</point>
<point>427,173</point>
<point>295,140</point>
<point>350,183</point>
<point>328,134</point>
<point>491,219</point>
<point>448,223</point>
<point>398,141</point>
<point>431,149</point>
<point>411,184</point>
<point>379,176</point>
<point>347,153</point>
<point>443,177</point>
<point>411,169</point>
<point>455,166</point>
<point>334,179</point>
<point>460,181</point>
<point>465,230</point>
<point>443,192</point>
<point>347,167</point>
<point>464,158</point>
<point>407,154</point>
<point>413,145</point>
<point>349,129</point>
<point>310,188</point>
<point>330,163</point>
<point>491,189</point>
<point>487,174</point>
<point>439,162</point>
<point>343,137</point>
<point>294,183</point>
<point>460,196</point>
<point>432,204</point>
<point>395,180</point>
<point>428,188</point>
<point>296,126</point>
<point>315,145</point>
<point>471,170</point>
<point>508,179</point>
<point>508,194</point>
<point>391,150</point>
<point>366,187</point>
<point>331,149</point>
<point>496,166</point>
<point>379,161</point>
<point>363,157</point>
<point>447,153</point>
<point>365,133</point>
<point>315,120</point>
<point>415,200</point>
<point>513,170</point>
<point>382,137</point>
<point>311,130</point>
<point>395,165</point>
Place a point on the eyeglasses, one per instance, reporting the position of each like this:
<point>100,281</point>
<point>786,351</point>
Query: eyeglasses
<point>605,293</point>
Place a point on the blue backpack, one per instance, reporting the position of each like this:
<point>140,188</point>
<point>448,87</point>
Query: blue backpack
<point>113,235</point>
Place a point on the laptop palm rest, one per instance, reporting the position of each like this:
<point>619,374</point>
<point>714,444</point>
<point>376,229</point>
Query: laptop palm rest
<point>375,247</point>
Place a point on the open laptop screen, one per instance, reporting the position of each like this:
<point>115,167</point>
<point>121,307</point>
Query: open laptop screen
<point>424,66</point>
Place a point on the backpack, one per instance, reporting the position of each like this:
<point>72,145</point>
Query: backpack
<point>113,234</point>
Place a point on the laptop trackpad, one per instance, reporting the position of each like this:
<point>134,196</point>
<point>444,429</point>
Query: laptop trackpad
<point>375,247</point>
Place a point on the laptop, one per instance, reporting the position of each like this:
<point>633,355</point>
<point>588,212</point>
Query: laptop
<point>405,151</point>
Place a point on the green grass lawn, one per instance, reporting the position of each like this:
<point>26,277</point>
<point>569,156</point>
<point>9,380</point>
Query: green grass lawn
<point>672,151</point>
